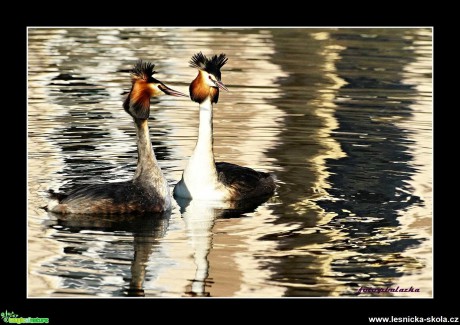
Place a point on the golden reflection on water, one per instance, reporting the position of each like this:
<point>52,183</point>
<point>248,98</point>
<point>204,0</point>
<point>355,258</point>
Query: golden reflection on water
<point>418,219</point>
<point>43,161</point>
<point>280,115</point>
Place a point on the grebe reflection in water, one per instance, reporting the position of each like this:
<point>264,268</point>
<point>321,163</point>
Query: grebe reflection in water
<point>199,217</point>
<point>146,231</point>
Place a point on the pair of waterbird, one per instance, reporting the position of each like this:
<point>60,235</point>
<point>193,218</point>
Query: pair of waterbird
<point>202,179</point>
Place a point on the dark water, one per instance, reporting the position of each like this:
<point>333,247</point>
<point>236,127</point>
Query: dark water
<point>343,117</point>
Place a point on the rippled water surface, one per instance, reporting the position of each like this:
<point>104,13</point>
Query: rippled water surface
<point>342,117</point>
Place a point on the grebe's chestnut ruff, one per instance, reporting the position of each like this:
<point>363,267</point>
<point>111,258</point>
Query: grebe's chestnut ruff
<point>203,178</point>
<point>148,191</point>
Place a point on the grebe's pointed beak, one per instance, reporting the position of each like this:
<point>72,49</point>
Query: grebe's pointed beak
<point>172,92</point>
<point>221,85</point>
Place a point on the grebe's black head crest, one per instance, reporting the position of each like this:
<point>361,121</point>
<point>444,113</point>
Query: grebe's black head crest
<point>143,71</point>
<point>145,86</point>
<point>212,65</point>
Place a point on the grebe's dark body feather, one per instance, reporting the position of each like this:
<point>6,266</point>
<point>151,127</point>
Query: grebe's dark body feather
<point>244,182</point>
<point>110,198</point>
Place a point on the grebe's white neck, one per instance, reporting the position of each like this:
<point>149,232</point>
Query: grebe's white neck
<point>200,179</point>
<point>204,145</point>
<point>203,155</point>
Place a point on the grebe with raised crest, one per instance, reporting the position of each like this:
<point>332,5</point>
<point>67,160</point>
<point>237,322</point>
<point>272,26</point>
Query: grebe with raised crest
<point>148,191</point>
<point>203,178</point>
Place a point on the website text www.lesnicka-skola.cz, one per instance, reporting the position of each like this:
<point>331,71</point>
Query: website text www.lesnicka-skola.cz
<point>414,319</point>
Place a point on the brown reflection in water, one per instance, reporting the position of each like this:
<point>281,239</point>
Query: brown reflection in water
<point>357,239</point>
<point>308,100</point>
<point>382,99</point>
<point>418,219</point>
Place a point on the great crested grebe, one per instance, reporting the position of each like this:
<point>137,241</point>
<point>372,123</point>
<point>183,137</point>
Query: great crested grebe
<point>203,178</point>
<point>148,191</point>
